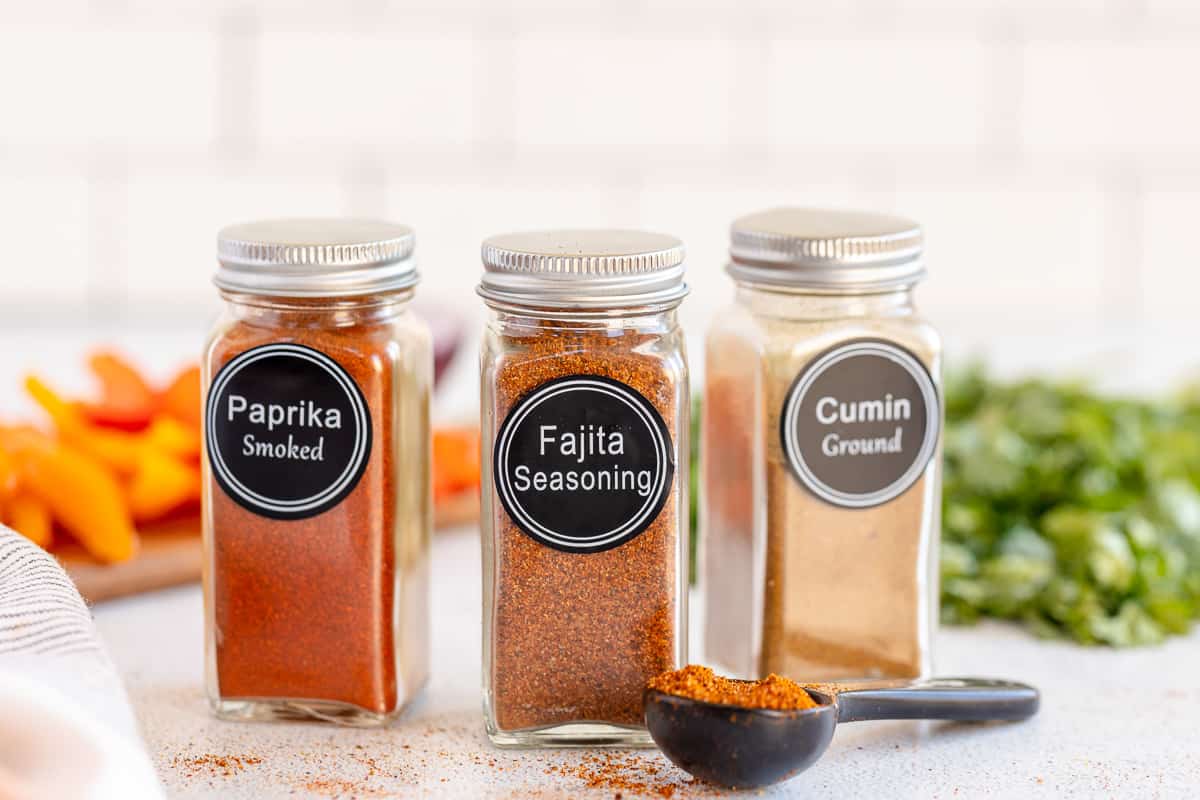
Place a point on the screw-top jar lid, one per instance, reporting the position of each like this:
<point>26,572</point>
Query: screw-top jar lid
<point>583,269</point>
<point>317,257</point>
<point>824,249</point>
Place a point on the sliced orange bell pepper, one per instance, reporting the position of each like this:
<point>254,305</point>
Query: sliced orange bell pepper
<point>181,399</point>
<point>173,437</point>
<point>80,493</point>
<point>8,475</point>
<point>126,399</point>
<point>161,485</point>
<point>455,461</point>
<point>30,517</point>
<point>117,449</point>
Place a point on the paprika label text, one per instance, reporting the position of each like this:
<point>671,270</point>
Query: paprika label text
<point>287,431</point>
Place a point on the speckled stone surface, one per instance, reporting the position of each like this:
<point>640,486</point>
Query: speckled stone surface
<point>1113,724</point>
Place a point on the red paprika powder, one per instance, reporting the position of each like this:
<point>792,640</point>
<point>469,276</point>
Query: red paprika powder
<point>317,493</point>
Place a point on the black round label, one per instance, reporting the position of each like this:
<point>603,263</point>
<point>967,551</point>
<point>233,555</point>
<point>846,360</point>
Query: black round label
<point>583,463</point>
<point>860,423</point>
<point>287,430</point>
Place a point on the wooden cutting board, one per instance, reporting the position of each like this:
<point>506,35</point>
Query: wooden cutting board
<point>170,554</point>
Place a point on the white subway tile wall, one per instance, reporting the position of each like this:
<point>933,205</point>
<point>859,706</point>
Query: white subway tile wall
<point>377,88</point>
<point>1052,149</point>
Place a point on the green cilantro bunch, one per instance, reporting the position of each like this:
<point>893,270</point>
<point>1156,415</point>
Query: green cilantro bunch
<point>1073,512</point>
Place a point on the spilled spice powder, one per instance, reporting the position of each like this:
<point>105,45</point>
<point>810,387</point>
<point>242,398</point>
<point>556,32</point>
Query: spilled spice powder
<point>213,765</point>
<point>701,683</point>
<point>639,776</point>
<point>337,787</point>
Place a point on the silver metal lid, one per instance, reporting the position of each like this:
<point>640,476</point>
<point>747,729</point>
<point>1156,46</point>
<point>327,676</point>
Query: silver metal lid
<point>319,257</point>
<point>826,249</point>
<point>583,269</point>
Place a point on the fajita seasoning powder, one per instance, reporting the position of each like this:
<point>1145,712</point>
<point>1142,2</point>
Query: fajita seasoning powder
<point>821,452</point>
<point>701,683</point>
<point>317,497</point>
<point>585,420</point>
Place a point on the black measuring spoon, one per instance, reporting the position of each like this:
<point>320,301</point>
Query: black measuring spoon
<point>749,747</point>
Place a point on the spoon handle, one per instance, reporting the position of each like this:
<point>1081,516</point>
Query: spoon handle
<point>964,699</point>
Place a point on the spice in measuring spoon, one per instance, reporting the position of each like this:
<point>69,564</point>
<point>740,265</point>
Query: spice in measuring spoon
<point>746,736</point>
<point>701,683</point>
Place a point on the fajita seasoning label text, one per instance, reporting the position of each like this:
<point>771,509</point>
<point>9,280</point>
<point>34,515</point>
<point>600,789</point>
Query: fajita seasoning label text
<point>860,423</point>
<point>287,430</point>
<point>583,463</point>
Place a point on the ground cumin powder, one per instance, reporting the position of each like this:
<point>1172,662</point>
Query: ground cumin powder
<point>873,633</point>
<point>843,594</point>
<point>575,636</point>
<point>820,562</point>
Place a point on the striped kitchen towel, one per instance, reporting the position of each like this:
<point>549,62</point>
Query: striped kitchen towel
<point>66,728</point>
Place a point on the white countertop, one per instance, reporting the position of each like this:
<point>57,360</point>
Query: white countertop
<point>1112,724</point>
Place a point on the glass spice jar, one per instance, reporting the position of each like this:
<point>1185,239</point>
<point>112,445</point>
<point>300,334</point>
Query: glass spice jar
<point>821,452</point>
<point>317,491</point>
<point>585,411</point>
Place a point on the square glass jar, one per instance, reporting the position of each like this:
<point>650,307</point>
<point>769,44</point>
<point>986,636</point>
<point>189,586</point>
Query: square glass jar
<point>585,407</point>
<point>821,451</point>
<point>317,491</point>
